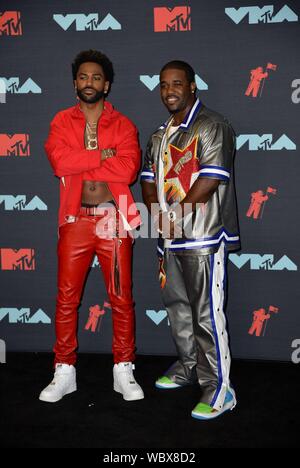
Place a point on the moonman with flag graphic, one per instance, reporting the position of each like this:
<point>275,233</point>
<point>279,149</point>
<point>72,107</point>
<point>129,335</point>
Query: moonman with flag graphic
<point>188,177</point>
<point>257,79</point>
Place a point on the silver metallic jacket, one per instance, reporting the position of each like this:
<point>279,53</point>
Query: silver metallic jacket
<point>202,146</point>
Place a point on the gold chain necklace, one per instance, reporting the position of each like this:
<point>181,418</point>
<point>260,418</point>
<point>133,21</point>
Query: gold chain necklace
<point>168,129</point>
<point>164,153</point>
<point>91,141</point>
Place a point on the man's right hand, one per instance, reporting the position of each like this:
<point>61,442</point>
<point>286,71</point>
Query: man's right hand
<point>107,153</point>
<point>167,228</point>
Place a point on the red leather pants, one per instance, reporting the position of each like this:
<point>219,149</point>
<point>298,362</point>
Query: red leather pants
<point>77,245</point>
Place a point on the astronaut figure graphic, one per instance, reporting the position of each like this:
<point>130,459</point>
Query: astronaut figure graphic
<point>259,317</point>
<point>257,75</point>
<point>95,318</point>
<point>260,320</point>
<point>257,200</point>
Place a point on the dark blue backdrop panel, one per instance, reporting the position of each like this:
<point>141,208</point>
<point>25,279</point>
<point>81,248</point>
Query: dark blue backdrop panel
<point>231,45</point>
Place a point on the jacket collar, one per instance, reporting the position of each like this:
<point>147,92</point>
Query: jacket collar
<point>107,110</point>
<point>189,118</point>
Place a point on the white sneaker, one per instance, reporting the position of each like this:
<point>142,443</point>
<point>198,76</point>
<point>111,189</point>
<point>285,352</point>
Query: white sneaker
<point>64,382</point>
<point>125,383</point>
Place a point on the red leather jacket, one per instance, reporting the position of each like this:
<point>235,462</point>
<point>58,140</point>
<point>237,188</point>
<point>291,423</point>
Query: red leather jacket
<point>72,163</point>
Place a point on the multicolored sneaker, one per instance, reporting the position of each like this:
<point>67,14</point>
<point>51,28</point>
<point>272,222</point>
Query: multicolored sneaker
<point>204,411</point>
<point>165,383</point>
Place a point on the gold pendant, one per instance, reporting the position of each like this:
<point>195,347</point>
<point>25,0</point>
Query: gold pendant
<point>92,143</point>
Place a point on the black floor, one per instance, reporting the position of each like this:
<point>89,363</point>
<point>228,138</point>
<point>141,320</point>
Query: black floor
<point>267,414</point>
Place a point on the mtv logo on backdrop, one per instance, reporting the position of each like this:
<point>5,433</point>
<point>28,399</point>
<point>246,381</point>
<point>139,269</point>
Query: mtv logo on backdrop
<point>172,19</point>
<point>95,262</point>
<point>10,23</point>
<point>23,315</point>
<point>262,262</point>
<point>19,203</point>
<point>90,22</point>
<point>263,14</point>
<point>17,259</point>
<point>157,317</point>
<point>12,86</point>
<point>14,145</point>
<point>265,142</point>
<point>151,82</point>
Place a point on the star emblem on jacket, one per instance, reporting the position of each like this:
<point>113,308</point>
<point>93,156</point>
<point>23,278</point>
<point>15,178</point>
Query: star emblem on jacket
<point>181,168</point>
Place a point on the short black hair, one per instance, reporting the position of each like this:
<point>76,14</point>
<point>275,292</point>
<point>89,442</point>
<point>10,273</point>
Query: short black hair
<point>180,65</point>
<point>96,57</point>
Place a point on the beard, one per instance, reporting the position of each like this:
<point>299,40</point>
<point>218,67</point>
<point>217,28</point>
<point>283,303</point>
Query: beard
<point>179,106</point>
<point>92,98</point>
<point>174,110</point>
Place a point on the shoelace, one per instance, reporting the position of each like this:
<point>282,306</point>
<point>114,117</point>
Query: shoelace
<point>127,369</point>
<point>56,377</point>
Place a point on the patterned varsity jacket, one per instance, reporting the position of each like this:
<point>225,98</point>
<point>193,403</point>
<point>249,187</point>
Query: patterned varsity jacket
<point>202,146</point>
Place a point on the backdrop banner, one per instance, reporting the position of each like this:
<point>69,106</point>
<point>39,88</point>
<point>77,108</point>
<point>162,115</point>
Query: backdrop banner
<point>246,58</point>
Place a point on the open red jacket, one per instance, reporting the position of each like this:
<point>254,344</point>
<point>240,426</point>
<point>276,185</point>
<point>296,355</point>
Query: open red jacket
<point>72,163</point>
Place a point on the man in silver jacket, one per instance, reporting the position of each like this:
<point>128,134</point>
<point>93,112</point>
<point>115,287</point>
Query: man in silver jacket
<point>188,175</point>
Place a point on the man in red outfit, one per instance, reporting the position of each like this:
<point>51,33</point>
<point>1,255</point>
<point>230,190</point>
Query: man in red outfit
<point>94,150</point>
